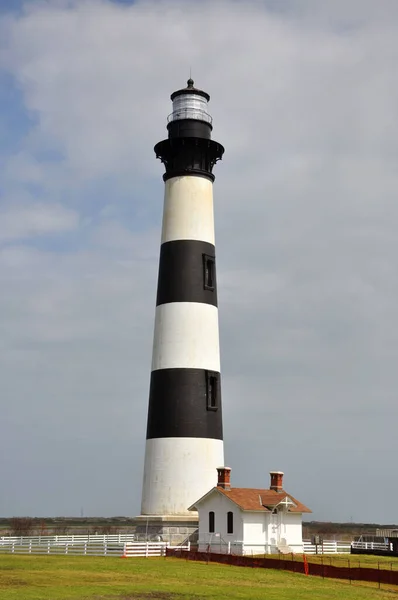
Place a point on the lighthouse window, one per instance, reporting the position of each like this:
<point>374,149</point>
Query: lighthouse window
<point>211,522</point>
<point>212,390</point>
<point>208,272</point>
<point>230,522</point>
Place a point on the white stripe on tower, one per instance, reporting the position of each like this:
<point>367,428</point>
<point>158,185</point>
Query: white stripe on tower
<point>184,434</point>
<point>188,210</point>
<point>176,470</point>
<point>186,337</point>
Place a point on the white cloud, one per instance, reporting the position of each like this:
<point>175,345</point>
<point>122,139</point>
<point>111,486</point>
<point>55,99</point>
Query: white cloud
<point>304,99</point>
<point>36,219</point>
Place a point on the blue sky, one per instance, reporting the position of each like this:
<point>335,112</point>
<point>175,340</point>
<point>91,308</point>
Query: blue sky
<point>305,102</point>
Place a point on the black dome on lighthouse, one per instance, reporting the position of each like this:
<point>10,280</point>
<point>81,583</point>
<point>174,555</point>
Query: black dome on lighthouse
<point>189,149</point>
<point>190,89</point>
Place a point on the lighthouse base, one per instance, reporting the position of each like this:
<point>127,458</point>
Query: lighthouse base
<point>174,529</point>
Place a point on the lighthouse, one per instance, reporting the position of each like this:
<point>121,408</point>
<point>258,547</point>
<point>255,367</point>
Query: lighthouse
<point>184,438</point>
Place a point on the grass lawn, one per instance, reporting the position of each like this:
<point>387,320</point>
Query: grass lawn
<point>353,560</point>
<point>81,578</point>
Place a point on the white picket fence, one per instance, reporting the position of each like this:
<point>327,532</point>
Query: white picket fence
<point>111,545</point>
<point>336,547</point>
<point>386,547</point>
<point>253,549</point>
<point>127,546</point>
<point>328,547</point>
<point>38,539</point>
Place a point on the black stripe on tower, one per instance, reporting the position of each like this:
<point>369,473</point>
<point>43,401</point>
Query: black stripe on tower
<point>185,403</point>
<point>187,272</point>
<point>188,156</point>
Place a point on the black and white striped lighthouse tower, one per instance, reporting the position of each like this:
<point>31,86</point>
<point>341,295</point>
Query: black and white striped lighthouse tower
<point>184,441</point>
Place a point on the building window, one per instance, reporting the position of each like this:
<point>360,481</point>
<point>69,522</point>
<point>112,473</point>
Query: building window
<point>230,522</point>
<point>212,389</point>
<point>211,522</point>
<point>209,272</point>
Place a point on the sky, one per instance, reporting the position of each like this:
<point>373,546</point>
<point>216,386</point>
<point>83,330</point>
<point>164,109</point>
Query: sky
<point>304,97</point>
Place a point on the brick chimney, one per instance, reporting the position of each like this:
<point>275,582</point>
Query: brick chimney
<point>224,478</point>
<point>276,481</point>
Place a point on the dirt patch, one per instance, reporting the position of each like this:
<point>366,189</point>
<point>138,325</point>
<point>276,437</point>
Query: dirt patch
<point>141,596</point>
<point>7,582</point>
<point>149,596</point>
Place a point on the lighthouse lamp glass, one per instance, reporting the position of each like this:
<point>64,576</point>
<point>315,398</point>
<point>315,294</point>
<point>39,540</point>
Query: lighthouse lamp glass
<point>190,106</point>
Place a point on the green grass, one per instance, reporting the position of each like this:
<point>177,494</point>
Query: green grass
<point>357,560</point>
<point>345,560</point>
<point>81,578</point>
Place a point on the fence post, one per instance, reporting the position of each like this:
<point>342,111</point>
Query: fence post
<point>229,547</point>
<point>189,546</point>
<point>66,547</point>
<point>85,548</point>
<point>30,547</point>
<point>306,568</point>
<point>146,549</point>
<point>48,547</point>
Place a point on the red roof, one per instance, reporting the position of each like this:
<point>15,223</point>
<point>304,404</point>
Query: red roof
<point>262,500</point>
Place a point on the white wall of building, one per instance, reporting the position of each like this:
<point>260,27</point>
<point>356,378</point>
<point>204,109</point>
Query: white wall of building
<point>291,530</point>
<point>285,528</point>
<point>255,532</point>
<point>219,540</point>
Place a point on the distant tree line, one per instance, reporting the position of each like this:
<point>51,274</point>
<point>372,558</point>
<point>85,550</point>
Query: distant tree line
<point>22,526</point>
<point>28,526</point>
